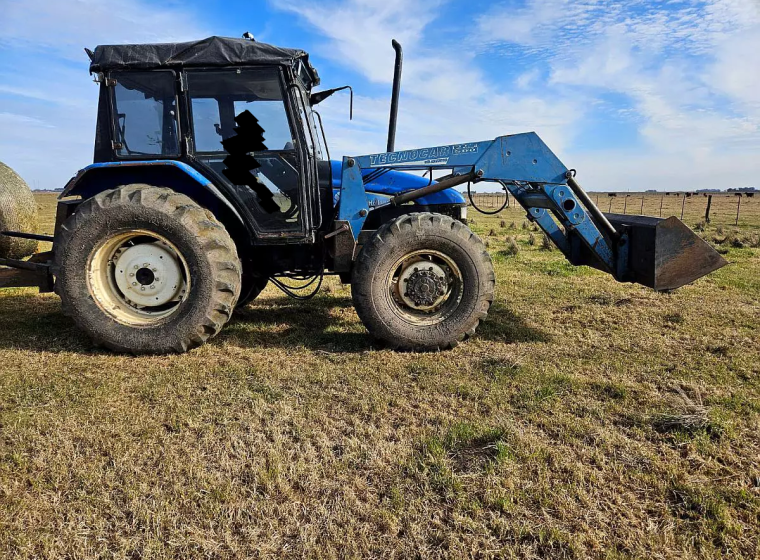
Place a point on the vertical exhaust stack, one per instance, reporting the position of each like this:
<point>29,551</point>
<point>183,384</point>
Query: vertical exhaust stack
<point>394,98</point>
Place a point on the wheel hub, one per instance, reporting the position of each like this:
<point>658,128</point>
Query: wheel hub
<point>148,274</point>
<point>423,285</point>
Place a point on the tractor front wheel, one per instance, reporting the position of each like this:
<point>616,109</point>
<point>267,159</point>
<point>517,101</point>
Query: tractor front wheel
<point>252,286</point>
<point>423,282</point>
<point>144,269</point>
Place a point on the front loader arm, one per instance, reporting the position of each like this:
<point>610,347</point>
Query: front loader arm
<point>525,166</point>
<point>663,254</point>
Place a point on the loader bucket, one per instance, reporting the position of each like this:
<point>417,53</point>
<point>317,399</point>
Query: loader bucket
<point>663,253</point>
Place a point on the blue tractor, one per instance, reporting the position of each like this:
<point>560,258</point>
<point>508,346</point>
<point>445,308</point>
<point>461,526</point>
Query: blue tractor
<point>212,177</point>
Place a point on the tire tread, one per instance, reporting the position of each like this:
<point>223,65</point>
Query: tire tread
<point>219,246</point>
<point>399,229</point>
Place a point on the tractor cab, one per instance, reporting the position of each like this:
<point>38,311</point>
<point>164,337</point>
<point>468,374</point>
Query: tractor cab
<point>178,103</point>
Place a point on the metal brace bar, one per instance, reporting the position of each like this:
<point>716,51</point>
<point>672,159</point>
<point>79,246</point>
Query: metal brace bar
<point>559,200</point>
<point>22,235</point>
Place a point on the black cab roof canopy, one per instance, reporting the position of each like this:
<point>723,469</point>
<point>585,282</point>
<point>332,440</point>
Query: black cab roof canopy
<point>212,51</point>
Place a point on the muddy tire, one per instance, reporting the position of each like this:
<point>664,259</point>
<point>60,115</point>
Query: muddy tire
<point>143,269</point>
<point>423,282</point>
<point>18,212</point>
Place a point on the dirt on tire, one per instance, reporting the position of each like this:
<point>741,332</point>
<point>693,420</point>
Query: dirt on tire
<point>205,245</point>
<point>422,231</point>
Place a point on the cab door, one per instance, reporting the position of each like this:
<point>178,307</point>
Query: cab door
<point>215,97</point>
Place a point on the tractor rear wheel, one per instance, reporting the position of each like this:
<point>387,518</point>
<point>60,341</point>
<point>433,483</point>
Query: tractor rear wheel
<point>144,269</point>
<point>423,282</point>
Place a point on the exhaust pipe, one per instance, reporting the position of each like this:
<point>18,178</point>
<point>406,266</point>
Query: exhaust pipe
<point>394,97</point>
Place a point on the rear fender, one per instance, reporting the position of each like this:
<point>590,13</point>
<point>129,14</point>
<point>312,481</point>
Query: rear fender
<point>175,175</point>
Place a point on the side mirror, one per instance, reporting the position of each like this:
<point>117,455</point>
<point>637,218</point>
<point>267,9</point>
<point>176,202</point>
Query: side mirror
<point>320,96</point>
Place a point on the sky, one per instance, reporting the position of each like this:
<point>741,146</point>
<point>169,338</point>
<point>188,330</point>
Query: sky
<point>635,95</point>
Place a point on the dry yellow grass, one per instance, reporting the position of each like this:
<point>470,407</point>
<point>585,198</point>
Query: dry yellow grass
<point>292,435</point>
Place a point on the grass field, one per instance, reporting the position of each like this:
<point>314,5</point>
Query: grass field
<point>587,419</point>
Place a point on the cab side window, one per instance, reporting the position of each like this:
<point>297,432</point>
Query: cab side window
<point>218,96</point>
<point>145,113</point>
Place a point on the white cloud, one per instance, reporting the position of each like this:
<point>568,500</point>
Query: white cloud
<point>11,119</point>
<point>623,170</point>
<point>359,32</point>
<point>687,69</point>
<point>682,66</point>
<point>65,28</point>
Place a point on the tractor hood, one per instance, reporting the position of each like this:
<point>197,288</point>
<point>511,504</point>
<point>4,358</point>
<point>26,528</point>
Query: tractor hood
<point>392,183</point>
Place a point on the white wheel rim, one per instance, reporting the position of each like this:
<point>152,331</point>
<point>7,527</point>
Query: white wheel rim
<point>148,275</point>
<point>138,277</point>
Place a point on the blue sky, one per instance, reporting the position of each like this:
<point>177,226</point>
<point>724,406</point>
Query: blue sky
<point>635,95</point>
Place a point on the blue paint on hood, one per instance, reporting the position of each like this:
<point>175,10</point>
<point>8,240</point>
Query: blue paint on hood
<point>392,183</point>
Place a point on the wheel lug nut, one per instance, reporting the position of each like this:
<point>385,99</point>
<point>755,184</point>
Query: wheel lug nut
<point>134,283</point>
<point>137,267</point>
<point>142,288</point>
<point>154,269</point>
<point>152,287</point>
<point>131,273</point>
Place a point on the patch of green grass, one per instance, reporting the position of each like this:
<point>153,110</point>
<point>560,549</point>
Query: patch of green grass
<point>464,448</point>
<point>561,268</point>
<point>545,390</point>
<point>674,318</point>
<point>499,369</point>
<point>609,389</point>
<point>705,512</point>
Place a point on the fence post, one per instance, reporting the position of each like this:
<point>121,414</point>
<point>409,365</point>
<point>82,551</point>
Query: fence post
<point>683,204</point>
<point>707,210</point>
<point>738,206</point>
<point>625,204</point>
<point>662,199</point>
<point>641,210</point>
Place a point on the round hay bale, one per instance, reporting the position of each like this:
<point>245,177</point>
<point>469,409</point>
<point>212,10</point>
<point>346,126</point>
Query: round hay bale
<point>18,212</point>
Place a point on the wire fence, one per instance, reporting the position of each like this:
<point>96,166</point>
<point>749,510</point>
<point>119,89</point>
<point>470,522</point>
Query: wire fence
<point>737,209</point>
